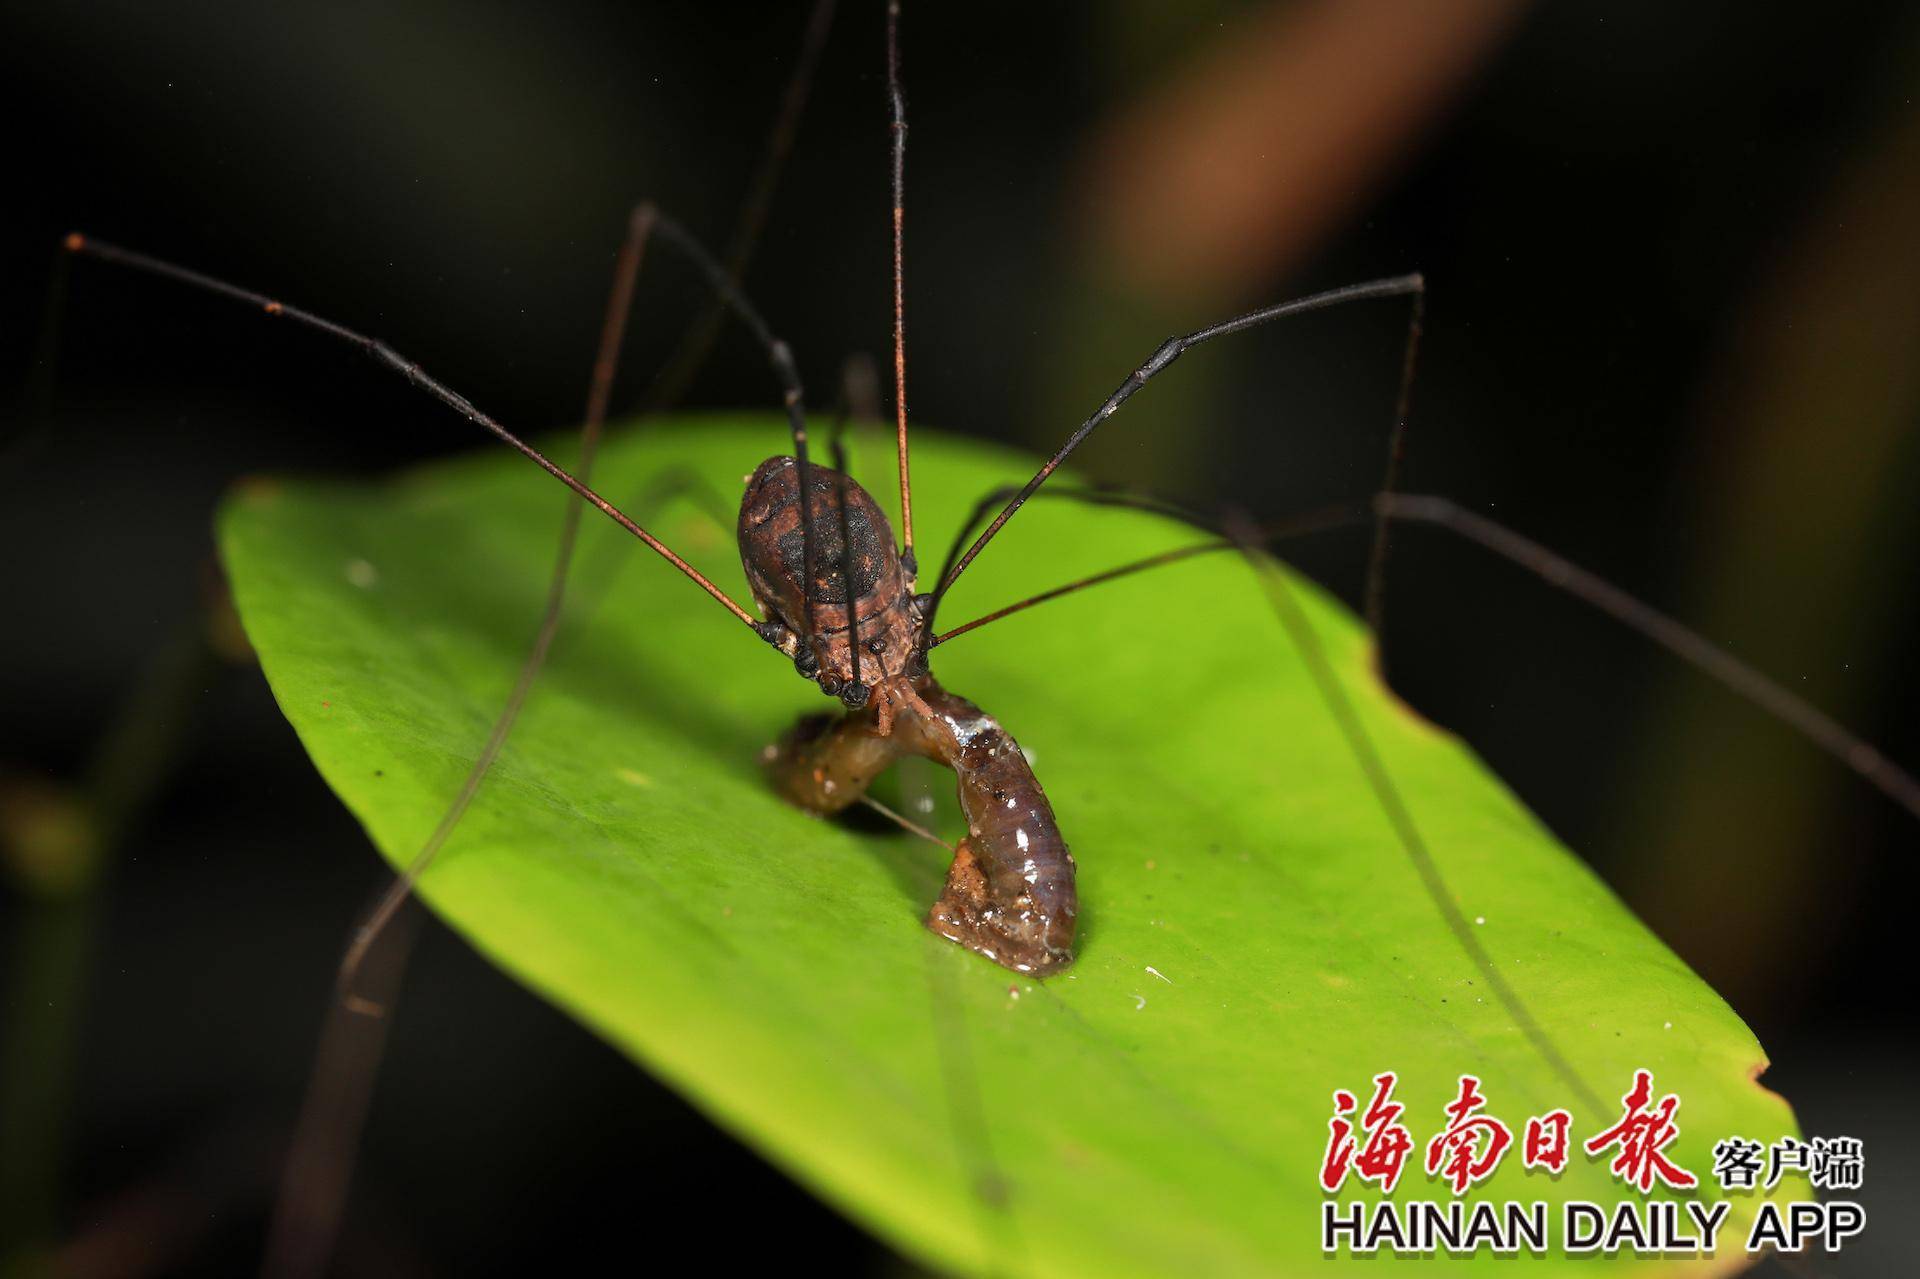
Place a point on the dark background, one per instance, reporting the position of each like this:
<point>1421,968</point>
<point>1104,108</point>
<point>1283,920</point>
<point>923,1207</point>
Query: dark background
<point>1674,321</point>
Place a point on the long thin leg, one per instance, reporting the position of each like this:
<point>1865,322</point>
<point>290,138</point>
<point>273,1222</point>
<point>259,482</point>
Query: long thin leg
<point>413,373</point>
<point>1167,353</point>
<point>319,1166</point>
<point>1100,495</point>
<point>1376,589</point>
<point>779,357</point>
<point>1328,517</point>
<point>752,218</point>
<point>320,1162</point>
<point>1676,637</point>
<point>595,573</point>
<point>897,100</point>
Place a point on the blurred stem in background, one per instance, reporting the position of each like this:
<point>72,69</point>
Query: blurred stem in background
<point>1806,474</point>
<point>1209,187</point>
<point>56,847</point>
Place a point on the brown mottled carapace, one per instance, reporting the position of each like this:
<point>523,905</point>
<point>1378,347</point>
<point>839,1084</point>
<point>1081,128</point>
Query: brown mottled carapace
<point>846,614</point>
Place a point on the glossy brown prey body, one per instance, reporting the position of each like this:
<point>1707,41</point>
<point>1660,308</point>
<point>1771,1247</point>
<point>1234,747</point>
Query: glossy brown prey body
<point>845,612</point>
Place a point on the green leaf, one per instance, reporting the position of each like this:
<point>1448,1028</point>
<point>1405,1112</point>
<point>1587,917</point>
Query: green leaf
<point>1254,934</point>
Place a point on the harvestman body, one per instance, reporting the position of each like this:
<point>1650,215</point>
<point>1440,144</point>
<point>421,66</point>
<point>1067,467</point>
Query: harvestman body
<point>1010,893</point>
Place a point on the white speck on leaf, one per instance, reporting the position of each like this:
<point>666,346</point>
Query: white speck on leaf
<point>1157,973</point>
<point>362,574</point>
